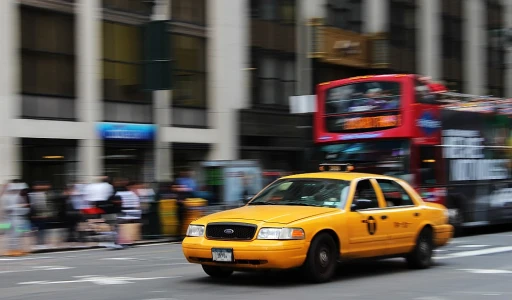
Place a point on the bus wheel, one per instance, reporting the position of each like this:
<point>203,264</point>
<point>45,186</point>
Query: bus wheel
<point>421,256</point>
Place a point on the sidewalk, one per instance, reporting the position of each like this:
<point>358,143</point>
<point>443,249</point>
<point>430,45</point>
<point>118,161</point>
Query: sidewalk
<point>55,244</point>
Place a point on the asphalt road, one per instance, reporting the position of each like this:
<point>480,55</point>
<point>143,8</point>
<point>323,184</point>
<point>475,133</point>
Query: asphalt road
<point>475,267</point>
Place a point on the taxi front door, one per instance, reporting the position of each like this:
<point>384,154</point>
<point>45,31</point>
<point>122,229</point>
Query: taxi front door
<point>368,228</point>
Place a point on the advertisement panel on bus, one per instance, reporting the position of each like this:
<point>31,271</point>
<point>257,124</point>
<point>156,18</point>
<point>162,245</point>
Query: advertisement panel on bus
<point>364,108</point>
<point>478,165</point>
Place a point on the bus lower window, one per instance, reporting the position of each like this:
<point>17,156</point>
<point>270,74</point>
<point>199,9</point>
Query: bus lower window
<point>428,165</point>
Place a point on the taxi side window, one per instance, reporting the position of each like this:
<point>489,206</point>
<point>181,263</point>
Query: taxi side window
<point>394,193</point>
<point>365,190</point>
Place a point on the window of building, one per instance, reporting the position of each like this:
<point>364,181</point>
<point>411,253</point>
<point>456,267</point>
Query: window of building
<point>283,11</point>
<point>122,56</point>
<point>495,49</point>
<point>345,14</point>
<point>189,11</point>
<point>403,29</point>
<point>274,79</point>
<point>131,6</point>
<point>394,193</point>
<point>189,74</point>
<point>47,53</point>
<point>452,39</point>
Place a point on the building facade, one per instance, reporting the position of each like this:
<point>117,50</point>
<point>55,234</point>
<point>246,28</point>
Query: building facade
<point>74,104</point>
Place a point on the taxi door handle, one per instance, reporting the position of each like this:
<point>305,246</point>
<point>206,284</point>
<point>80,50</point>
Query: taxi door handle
<point>417,214</point>
<point>383,217</point>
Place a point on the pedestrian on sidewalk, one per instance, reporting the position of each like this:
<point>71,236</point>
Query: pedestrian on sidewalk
<point>40,212</point>
<point>72,214</point>
<point>17,210</point>
<point>128,217</point>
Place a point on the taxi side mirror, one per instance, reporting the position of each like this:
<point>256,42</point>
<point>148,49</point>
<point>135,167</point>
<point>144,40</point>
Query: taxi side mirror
<point>247,199</point>
<point>360,204</point>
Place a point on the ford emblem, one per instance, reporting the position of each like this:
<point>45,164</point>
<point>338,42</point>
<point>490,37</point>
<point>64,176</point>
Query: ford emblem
<point>228,231</point>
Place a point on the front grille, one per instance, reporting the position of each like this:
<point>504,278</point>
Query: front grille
<point>230,231</point>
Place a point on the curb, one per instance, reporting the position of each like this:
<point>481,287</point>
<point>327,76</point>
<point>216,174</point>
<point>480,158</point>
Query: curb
<point>66,249</point>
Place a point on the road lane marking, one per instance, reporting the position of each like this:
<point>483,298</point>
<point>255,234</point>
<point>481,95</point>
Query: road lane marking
<point>38,268</point>
<point>476,252</point>
<point>98,280</point>
<point>120,258</point>
<point>486,271</point>
<point>472,246</point>
<point>23,258</point>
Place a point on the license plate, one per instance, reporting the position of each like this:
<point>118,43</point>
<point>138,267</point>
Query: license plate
<point>222,255</point>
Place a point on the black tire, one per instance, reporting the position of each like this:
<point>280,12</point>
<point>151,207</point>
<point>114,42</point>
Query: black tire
<point>217,272</point>
<point>421,256</point>
<point>321,260</point>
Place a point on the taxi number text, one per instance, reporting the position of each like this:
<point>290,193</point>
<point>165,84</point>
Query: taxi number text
<point>222,255</point>
<point>372,122</point>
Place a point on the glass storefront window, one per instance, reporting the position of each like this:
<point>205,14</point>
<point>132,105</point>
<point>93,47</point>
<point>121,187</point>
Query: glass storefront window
<point>189,75</point>
<point>363,97</point>
<point>122,55</point>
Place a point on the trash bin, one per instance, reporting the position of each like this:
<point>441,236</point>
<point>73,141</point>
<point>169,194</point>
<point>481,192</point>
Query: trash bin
<point>168,217</point>
<point>194,209</point>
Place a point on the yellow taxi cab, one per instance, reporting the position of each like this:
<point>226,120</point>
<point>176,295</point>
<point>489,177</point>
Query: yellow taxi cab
<point>313,221</point>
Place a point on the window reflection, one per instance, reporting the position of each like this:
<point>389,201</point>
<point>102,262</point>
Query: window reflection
<point>121,65</point>
<point>132,6</point>
<point>189,11</point>
<point>47,53</point>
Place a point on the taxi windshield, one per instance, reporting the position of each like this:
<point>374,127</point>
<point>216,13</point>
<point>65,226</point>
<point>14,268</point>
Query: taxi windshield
<point>304,192</point>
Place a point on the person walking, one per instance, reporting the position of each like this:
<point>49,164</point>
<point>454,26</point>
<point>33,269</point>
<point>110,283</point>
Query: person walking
<point>17,210</point>
<point>39,212</point>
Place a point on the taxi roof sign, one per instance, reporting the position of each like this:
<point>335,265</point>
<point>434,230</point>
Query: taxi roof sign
<point>333,167</point>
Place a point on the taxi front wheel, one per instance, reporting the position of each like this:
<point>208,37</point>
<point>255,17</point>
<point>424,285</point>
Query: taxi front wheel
<point>421,256</point>
<point>321,260</point>
<point>217,272</point>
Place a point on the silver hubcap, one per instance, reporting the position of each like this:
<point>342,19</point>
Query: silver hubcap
<point>324,258</point>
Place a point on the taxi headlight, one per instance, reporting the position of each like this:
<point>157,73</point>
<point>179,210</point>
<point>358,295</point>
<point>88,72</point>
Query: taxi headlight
<point>281,234</point>
<point>195,230</point>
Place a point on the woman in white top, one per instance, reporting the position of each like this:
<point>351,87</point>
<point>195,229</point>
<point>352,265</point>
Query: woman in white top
<point>17,209</point>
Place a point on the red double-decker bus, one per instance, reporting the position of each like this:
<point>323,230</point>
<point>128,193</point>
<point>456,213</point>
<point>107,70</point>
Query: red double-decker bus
<point>455,149</point>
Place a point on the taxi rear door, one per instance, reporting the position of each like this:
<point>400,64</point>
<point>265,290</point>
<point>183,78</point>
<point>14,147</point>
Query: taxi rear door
<point>368,226</point>
<point>404,215</point>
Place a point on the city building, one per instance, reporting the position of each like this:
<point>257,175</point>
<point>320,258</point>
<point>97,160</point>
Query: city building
<point>75,101</point>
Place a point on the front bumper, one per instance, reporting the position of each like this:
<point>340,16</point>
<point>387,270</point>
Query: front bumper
<point>443,234</point>
<point>256,254</point>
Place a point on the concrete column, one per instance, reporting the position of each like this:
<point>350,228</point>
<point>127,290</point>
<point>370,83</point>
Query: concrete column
<point>375,16</point>
<point>475,57</point>
<point>89,90</point>
<point>429,38</point>
<point>227,59</point>
<point>10,102</point>
<point>508,59</point>
<point>162,109</point>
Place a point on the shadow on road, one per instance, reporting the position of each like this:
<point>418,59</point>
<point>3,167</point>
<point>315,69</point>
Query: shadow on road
<point>346,272</point>
<point>472,231</point>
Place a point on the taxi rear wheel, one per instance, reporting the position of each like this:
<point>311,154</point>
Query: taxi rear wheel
<point>217,272</point>
<point>321,260</point>
<point>421,256</point>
